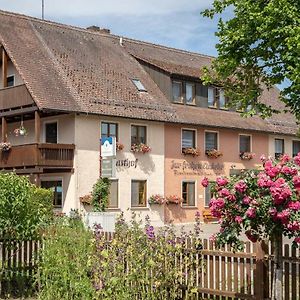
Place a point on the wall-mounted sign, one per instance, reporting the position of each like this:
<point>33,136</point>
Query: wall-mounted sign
<point>195,168</point>
<point>108,168</point>
<point>126,163</point>
<point>108,147</point>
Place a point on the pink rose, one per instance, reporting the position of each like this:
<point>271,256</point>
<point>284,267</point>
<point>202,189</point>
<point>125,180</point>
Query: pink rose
<point>294,205</point>
<point>293,226</point>
<point>221,181</point>
<point>297,240</point>
<point>296,182</point>
<point>205,182</point>
<point>285,158</point>
<point>280,191</point>
<point>297,159</point>
<point>263,158</point>
<point>224,192</point>
<point>238,219</point>
<point>251,212</point>
<point>264,180</point>
<point>247,200</point>
<point>283,216</point>
<point>241,186</point>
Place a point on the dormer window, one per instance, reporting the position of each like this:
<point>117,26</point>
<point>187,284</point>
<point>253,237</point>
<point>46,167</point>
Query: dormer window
<point>10,80</point>
<point>190,93</point>
<point>139,85</point>
<point>177,91</point>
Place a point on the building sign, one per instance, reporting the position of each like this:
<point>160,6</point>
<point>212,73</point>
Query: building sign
<point>108,147</point>
<point>196,168</point>
<point>108,168</point>
<point>127,164</point>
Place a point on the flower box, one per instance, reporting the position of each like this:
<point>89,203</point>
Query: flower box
<point>140,148</point>
<point>173,199</point>
<point>5,146</point>
<point>247,155</point>
<point>191,151</point>
<point>156,199</point>
<point>119,146</point>
<point>213,153</point>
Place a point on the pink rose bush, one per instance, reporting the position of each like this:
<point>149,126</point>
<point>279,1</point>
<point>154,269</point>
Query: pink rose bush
<point>262,203</point>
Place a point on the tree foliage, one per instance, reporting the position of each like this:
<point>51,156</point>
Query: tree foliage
<point>24,208</point>
<point>258,48</point>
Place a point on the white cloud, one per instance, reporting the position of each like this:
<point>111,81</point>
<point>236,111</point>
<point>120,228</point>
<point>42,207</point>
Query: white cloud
<point>102,7</point>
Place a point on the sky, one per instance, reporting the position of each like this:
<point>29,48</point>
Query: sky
<point>168,22</point>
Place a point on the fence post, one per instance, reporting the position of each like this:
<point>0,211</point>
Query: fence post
<point>261,282</point>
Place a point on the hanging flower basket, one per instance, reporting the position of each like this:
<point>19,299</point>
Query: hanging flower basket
<point>5,146</point>
<point>247,155</point>
<point>21,131</point>
<point>191,151</point>
<point>173,199</point>
<point>119,146</point>
<point>156,199</point>
<point>213,153</point>
<point>140,148</point>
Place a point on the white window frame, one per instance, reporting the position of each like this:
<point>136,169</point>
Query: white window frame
<point>218,138</point>
<point>196,193</point>
<point>190,129</point>
<point>239,142</point>
<point>56,178</point>
<point>44,129</point>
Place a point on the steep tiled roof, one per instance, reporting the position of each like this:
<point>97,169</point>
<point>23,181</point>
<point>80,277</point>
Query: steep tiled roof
<point>72,69</point>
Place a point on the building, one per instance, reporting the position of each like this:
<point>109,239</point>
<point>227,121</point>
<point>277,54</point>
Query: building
<point>68,87</point>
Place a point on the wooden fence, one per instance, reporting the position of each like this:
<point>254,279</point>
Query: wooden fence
<point>18,267</point>
<point>220,273</point>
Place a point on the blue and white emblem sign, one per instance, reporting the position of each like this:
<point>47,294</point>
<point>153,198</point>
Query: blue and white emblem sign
<point>108,147</point>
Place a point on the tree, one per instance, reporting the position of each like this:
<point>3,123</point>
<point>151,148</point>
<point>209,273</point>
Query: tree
<point>263,204</point>
<point>259,47</point>
<point>24,208</point>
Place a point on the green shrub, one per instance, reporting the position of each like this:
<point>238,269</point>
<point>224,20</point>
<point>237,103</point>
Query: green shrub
<point>100,194</point>
<point>24,208</point>
<point>65,265</point>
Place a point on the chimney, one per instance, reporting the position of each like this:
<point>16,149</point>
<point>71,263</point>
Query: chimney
<point>98,29</point>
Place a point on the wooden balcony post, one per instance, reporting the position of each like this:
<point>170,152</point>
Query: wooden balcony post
<point>4,130</point>
<point>4,68</point>
<point>37,126</point>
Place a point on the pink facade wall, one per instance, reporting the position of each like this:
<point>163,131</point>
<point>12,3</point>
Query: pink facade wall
<point>179,167</point>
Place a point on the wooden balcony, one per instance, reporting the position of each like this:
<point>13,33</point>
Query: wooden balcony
<point>15,96</point>
<point>38,157</point>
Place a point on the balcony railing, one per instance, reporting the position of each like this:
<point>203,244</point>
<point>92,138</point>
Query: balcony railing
<point>38,155</point>
<point>15,96</point>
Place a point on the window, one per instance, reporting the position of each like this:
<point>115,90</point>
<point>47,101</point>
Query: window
<point>138,193</point>
<point>109,130</point>
<point>245,143</point>
<point>279,147</point>
<point>222,99</point>
<point>56,187</point>
<point>177,91</point>
<point>188,139</point>
<point>139,85</point>
<point>296,147</point>
<point>113,193</point>
<point>190,93</point>
<point>138,134</point>
<point>10,80</point>
<point>211,140</point>
<point>188,193</point>
<point>208,195</point>
<point>51,132</point>
<point>211,97</point>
